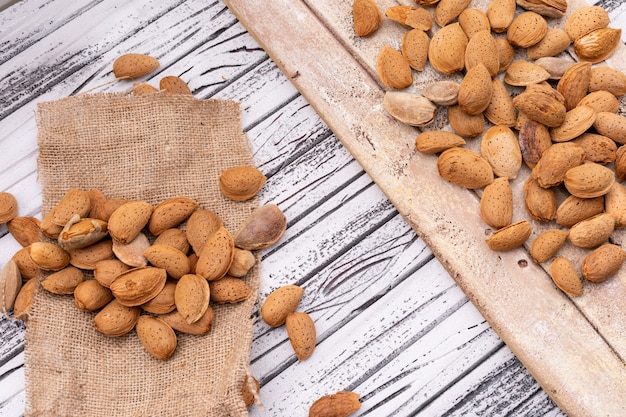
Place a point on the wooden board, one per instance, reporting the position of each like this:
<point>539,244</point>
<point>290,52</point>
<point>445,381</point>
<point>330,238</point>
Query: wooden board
<point>564,342</point>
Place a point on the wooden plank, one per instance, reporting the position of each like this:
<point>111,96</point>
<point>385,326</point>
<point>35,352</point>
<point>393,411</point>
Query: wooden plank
<point>544,328</point>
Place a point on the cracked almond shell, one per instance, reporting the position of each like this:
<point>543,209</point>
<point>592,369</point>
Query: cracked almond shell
<point>261,229</point>
<point>409,108</point>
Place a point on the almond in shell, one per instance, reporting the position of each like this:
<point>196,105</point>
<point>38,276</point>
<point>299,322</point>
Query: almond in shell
<point>540,203</point>
<point>598,45</point>
<point>541,107</point>
<point>302,335</point>
<point>172,84</point>
<point>615,204</point>
<point>49,256</point>
<point>192,295</point>
<point>217,255</point>
<point>340,404</point>
<point>8,207</point>
<point>574,83</point>
<point>534,138</point>
<point>170,213</point>
<point>24,299</point>
<point>241,183</point>
<point>415,48</point>
<point>229,290</point>
<point>243,261</point>
<point>25,264</point>
<point>280,303</point>
<point>175,238</point>
<point>106,270</point>
<point>598,148</point>
<point>500,110</point>
<point>200,327</point>
<point>10,285</point>
<point>577,121</point>
<point>589,180</point>
<point>116,319</point>
<point>169,258</point>
<point>608,79</point>
<point>464,124</point>
<point>612,126</point>
<point>25,229</point>
<point>443,93</point>
<point>446,51</point>
<point>261,229</point>
<point>501,14</point>
<point>164,302</point>
<point>556,161</point>
<point>496,203</point>
<point>127,221</point>
<point>601,101</point>
<point>156,336</point>
<point>475,90</point>
<point>510,237</point>
<point>131,253</point>
<point>64,281</point>
<point>527,29</point>
<point>410,16</point>
<point>139,285</point>
<point>133,65</point>
<point>412,109</point>
<point>366,17</point>
<point>575,209</point>
<point>603,263</point>
<point>140,89</point>
<point>201,225</point>
<point>448,10</point>
<point>524,73</point>
<point>565,276</point>
<point>436,141</point>
<point>89,295</point>
<point>553,43</point>
<point>86,258</point>
<point>547,244</point>
<point>585,20</point>
<point>506,54</point>
<point>500,148</point>
<point>465,168</point>
<point>592,232</point>
<point>548,8</point>
<point>393,68</point>
<point>472,21</point>
<point>75,201</point>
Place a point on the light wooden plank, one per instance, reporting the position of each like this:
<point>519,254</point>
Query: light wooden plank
<point>549,334</point>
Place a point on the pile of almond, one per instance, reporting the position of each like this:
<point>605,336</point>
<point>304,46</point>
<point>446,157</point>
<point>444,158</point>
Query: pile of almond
<point>559,117</point>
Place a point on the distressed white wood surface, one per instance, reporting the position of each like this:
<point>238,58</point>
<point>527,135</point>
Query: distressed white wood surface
<point>392,324</point>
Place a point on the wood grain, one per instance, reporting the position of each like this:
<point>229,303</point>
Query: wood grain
<point>393,324</point>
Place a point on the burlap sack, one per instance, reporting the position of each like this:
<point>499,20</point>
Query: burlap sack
<point>151,148</point>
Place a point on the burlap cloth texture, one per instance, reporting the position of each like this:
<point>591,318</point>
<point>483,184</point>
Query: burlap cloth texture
<point>150,148</point>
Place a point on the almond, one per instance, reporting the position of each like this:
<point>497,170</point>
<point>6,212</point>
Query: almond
<point>472,21</point>
<point>82,232</point>
<point>541,107</point>
<point>464,168</point>
<point>598,148</point>
<point>592,232</point>
<point>547,244</point>
<point>8,207</point>
<point>24,299</point>
<point>501,14</point>
<point>393,68</point>
<point>140,89</point>
<point>589,180</point>
<point>496,203</point>
<point>556,66</point>
<point>465,124</point>
<point>620,163</point>
<point>448,10</point>
<point>201,225</point>
<point>615,204</point>
<point>130,66</point>
<point>10,285</point>
<point>48,228</point>
<point>506,54</point>
<point>527,29</point>
<point>89,295</point>
<point>106,270</point>
<point>156,336</point>
<point>446,51</point>
<point>340,404</point>
<point>510,237</point>
<point>164,302</point>
<point>64,281</point>
<point>413,17</point>
<point>548,8</point>
<point>243,261</point>
<point>534,138</point>
<point>302,335</point>
<point>139,285</point>
<point>436,141</point>
<point>172,84</point>
<point>540,202</point>
<point>261,229</point>
<point>500,148</point>
<point>574,84</point>
<point>175,238</point>
<point>585,20</point>
<point>192,295</point>
<point>116,319</point>
<point>127,221</point>
<point>131,253</point>
<point>217,255</point>
<point>169,258</point>
<point>603,263</point>
<point>200,327</point>
<point>565,276</point>
<point>475,90</point>
<point>575,209</point>
<point>443,93</point>
<point>86,258</point>
<point>49,256</point>
<point>553,43</point>
<point>366,16</point>
<point>25,229</point>
<point>415,48</point>
<point>524,73</point>
<point>598,45</point>
<point>409,108</point>
<point>229,290</point>
<point>25,264</point>
<point>500,110</point>
<point>576,122</point>
<point>608,79</point>
<point>280,303</point>
<point>601,101</point>
<point>73,202</point>
<point>170,213</point>
<point>612,126</point>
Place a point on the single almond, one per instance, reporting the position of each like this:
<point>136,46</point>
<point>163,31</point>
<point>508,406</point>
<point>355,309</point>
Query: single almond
<point>302,335</point>
<point>547,8</point>
<point>496,203</point>
<point>547,244</point>
<point>200,327</point>
<point>340,404</point>
<point>475,90</point>
<point>86,258</point>
<point>82,232</point>
<point>603,263</point>
<point>501,110</point>
<point>243,261</point>
<point>10,285</point>
<point>510,237</point>
<point>393,68</point>
<point>589,180</point>
<point>261,229</point>
<point>615,204</point>
<point>565,276</point>
<point>241,183</point>
<point>127,221</point>
<point>601,101</point>
<point>553,43</point>
<point>415,48</point>
<point>132,253</point>
<point>576,122</point>
<point>409,108</point>
<point>74,201</point>
<point>169,258</point>
<point>534,138</point>
<point>446,51</point>
<point>130,66</point>
<point>501,14</point>
<point>540,202</point>
<point>175,238</point>
<point>24,300</point>
<point>575,209</point>
<point>8,207</point>
<point>527,29</point>
<point>612,126</point>
<point>156,336</point>
<point>64,281</point>
<point>49,256</point>
<point>598,148</point>
<point>524,73</point>
<point>598,45</point>
<point>172,84</point>
<point>280,303</point>
<point>229,290</point>
<point>585,20</point>
<point>443,93</point>
<point>574,83</point>
<point>164,302</point>
<point>106,270</point>
<point>436,141</point>
<point>608,79</point>
<point>170,213</point>
<point>465,168</point>
<point>89,295</point>
<point>472,21</point>
<point>592,232</point>
<point>201,225</point>
<point>192,295</point>
<point>116,319</point>
<point>139,285</point>
<point>448,10</point>
<point>366,17</point>
<point>217,255</point>
<point>25,229</point>
<point>556,161</point>
<point>464,124</point>
<point>500,148</point>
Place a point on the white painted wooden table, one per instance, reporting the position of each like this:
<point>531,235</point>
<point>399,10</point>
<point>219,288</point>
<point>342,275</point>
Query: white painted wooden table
<point>392,325</point>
